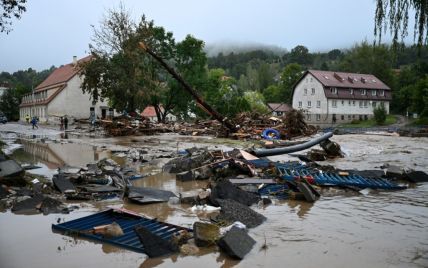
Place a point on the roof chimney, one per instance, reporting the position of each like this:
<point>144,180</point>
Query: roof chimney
<point>74,60</point>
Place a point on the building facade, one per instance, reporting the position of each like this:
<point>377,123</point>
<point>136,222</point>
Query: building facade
<point>329,98</point>
<point>60,94</point>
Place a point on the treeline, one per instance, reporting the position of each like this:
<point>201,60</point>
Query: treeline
<point>20,83</point>
<point>404,70</point>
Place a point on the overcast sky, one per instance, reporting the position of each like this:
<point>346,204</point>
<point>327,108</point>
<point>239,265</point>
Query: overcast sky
<point>51,32</point>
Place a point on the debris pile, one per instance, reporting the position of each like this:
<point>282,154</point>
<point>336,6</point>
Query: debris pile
<point>249,125</point>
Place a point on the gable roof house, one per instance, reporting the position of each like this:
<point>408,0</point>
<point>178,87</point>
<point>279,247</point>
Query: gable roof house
<point>329,98</point>
<point>60,94</point>
<point>278,109</point>
<point>150,113</point>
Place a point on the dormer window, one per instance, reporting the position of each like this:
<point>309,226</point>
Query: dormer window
<point>363,92</point>
<point>351,91</point>
<point>333,90</point>
<point>382,93</point>
<point>373,92</point>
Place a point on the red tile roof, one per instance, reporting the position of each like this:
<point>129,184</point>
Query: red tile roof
<point>149,111</point>
<point>61,75</point>
<point>279,107</point>
<point>347,80</point>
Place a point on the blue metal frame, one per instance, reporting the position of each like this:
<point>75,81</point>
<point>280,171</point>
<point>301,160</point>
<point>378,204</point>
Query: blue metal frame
<point>127,222</point>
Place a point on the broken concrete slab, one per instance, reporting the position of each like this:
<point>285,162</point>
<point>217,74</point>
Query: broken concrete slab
<point>28,206</point>
<point>331,148</point>
<point>63,184</point>
<point>236,243</point>
<point>416,176</point>
<point>232,211</point>
<point>394,172</point>
<point>144,195</point>
<point>226,190</point>
<point>154,246</point>
<point>10,168</point>
<point>205,234</point>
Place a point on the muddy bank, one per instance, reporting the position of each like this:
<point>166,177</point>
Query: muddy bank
<point>375,229</point>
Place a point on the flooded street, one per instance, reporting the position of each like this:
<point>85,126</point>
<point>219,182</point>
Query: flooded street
<point>377,229</point>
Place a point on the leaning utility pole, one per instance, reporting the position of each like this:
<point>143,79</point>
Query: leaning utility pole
<point>189,89</point>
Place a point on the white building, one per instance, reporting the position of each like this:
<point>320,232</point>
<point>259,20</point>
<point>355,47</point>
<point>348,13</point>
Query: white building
<point>60,94</point>
<point>329,98</point>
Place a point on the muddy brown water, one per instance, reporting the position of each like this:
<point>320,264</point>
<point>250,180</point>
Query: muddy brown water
<point>378,229</point>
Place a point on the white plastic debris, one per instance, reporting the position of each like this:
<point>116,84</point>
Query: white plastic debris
<point>205,208</point>
<point>238,224</point>
<point>35,181</point>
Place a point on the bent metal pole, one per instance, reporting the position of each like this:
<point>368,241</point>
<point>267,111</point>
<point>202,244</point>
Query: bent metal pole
<point>189,89</point>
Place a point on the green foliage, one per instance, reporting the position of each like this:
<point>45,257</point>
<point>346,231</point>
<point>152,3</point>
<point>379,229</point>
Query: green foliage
<point>10,9</point>
<point>300,55</point>
<point>292,72</point>
<point>272,94</point>
<point>367,59</point>
<point>9,104</point>
<point>396,14</point>
<point>256,102</point>
<point>379,114</point>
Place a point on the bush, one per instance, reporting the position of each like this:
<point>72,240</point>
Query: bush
<point>380,115</point>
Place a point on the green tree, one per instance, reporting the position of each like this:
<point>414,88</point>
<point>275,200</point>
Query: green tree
<point>368,59</point>
<point>292,72</point>
<point>420,97</point>
<point>300,54</point>
<point>272,94</point>
<point>9,104</point>
<point>379,114</point>
<point>395,13</point>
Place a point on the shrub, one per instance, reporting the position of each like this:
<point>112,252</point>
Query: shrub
<point>379,114</point>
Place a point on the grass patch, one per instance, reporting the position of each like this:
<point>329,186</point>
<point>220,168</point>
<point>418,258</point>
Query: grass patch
<point>390,119</point>
<point>423,121</point>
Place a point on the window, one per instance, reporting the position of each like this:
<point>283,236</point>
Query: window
<point>382,93</point>
<point>363,92</point>
<point>305,92</point>
<point>365,104</point>
<point>351,91</point>
<point>318,104</point>
<point>309,104</point>
<point>311,79</point>
<point>334,104</point>
<point>308,117</point>
<point>333,90</point>
<point>353,103</point>
<point>361,104</point>
<point>349,117</point>
<point>349,102</point>
<point>374,104</point>
<point>306,79</point>
<point>343,103</point>
<point>373,92</point>
<point>342,117</point>
<point>313,90</point>
<point>300,104</point>
<point>318,117</point>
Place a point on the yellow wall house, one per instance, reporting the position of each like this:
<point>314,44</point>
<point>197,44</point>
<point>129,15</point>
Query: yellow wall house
<point>60,94</point>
